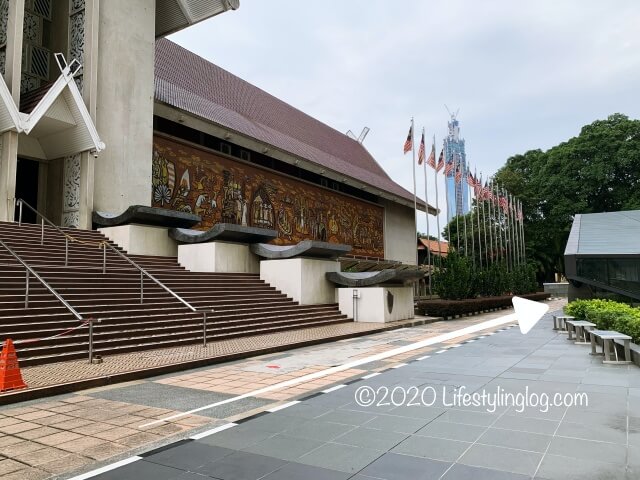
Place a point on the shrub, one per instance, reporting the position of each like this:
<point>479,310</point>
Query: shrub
<point>523,279</point>
<point>456,279</point>
<point>608,315</point>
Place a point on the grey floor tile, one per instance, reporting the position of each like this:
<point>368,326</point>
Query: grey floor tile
<point>284,447</point>
<point>499,458</point>
<point>452,431</point>
<point>237,438</point>
<point>274,422</point>
<point>601,433</point>
<point>465,472</point>
<point>533,442</point>
<point>297,471</point>
<point>318,430</point>
<point>305,410</point>
<point>554,467</point>
<point>422,412</point>
<point>527,424</point>
<point>371,438</point>
<point>343,458</point>
<point>466,417</point>
<point>588,450</point>
<point>430,447</point>
<point>142,470</point>
<point>241,466</point>
<point>188,456</point>
<point>392,466</point>
<point>347,417</point>
<point>393,423</point>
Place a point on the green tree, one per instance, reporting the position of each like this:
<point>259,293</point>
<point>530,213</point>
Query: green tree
<point>597,171</point>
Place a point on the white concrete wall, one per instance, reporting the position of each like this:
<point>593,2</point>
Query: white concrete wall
<point>218,257</point>
<point>399,233</point>
<point>302,279</point>
<point>142,239</point>
<point>124,105</point>
<point>373,304</point>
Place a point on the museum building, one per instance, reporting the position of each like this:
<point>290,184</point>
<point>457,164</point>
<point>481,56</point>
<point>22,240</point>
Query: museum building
<point>126,117</point>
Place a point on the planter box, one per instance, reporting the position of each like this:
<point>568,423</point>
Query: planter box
<point>449,308</point>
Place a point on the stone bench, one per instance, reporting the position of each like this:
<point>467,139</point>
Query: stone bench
<point>559,322</point>
<point>608,338</point>
<point>580,328</point>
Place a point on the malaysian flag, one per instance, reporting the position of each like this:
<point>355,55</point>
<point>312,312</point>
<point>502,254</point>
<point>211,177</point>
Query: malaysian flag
<point>471,181</point>
<point>449,168</point>
<point>458,174</point>
<point>408,144</point>
<point>519,214</point>
<point>421,150</point>
<point>431,161</point>
<point>504,204</point>
<point>440,161</point>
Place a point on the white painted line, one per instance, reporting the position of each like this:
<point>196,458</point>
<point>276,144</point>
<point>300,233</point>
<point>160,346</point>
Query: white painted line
<point>456,345</point>
<point>470,341</point>
<point>371,375</point>
<point>333,389</point>
<point>425,357</point>
<point>496,322</point>
<point>107,468</point>
<point>400,365</point>
<point>282,407</point>
<point>481,337</point>
<point>441,351</point>
<point>491,333</point>
<point>206,433</point>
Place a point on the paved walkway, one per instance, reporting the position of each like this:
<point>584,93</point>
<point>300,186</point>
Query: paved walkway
<point>73,433</point>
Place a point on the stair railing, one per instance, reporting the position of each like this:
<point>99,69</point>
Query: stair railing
<point>30,271</point>
<point>104,245</point>
<point>143,273</point>
<point>20,202</point>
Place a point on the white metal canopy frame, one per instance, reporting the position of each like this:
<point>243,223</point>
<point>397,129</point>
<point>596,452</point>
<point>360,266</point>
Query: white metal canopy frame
<point>60,121</point>
<point>174,15</point>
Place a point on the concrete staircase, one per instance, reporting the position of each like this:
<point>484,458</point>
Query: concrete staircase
<point>242,303</point>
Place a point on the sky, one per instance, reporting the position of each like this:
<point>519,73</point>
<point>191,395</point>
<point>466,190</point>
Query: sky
<point>523,75</point>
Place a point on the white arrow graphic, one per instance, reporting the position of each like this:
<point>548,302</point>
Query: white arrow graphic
<point>528,313</point>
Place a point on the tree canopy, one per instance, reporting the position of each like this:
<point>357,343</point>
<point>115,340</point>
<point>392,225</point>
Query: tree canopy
<point>597,171</point>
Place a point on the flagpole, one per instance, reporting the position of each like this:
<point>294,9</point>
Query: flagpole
<point>524,247</point>
<point>455,196</point>
<point>464,218</point>
<point>470,199</point>
<point>426,199</point>
<point>478,199</point>
<point>494,224</point>
<point>484,222</point>
<point>516,240</point>
<point>504,232</point>
<point>435,181</point>
<point>415,201</point>
<point>446,193</point>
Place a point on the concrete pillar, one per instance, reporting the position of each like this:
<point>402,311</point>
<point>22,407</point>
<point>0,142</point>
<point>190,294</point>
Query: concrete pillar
<point>9,150</point>
<point>126,42</point>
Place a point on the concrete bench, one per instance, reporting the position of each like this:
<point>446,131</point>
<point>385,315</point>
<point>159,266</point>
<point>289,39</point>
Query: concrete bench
<point>579,327</point>
<point>559,322</point>
<point>608,338</point>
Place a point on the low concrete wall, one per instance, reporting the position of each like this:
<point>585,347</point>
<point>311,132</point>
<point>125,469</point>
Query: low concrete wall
<point>219,257</point>
<point>302,279</point>
<point>377,304</point>
<point>557,289</point>
<point>142,239</point>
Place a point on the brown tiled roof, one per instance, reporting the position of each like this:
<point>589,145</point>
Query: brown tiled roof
<point>190,83</point>
<point>441,248</point>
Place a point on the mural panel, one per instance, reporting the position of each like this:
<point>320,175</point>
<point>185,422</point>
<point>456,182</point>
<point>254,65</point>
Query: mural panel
<point>223,190</point>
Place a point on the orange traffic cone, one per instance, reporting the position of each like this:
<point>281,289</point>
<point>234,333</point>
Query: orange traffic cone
<point>10,376</point>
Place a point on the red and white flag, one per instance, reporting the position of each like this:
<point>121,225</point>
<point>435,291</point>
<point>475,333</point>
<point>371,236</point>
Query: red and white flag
<point>449,168</point>
<point>440,165</point>
<point>421,150</point>
<point>431,161</point>
<point>408,144</point>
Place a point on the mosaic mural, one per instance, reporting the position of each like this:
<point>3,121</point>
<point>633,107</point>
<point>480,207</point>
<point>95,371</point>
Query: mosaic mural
<point>223,190</point>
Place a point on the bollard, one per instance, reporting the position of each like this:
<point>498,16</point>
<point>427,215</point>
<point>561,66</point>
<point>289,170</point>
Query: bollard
<point>26,290</point>
<point>20,214</point>
<point>91,340</point>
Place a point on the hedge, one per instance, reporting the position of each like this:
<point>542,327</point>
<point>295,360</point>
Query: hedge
<point>608,315</point>
<point>449,308</point>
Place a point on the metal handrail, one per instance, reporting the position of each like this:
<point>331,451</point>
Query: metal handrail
<point>142,272</point>
<point>20,202</point>
<point>41,280</point>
